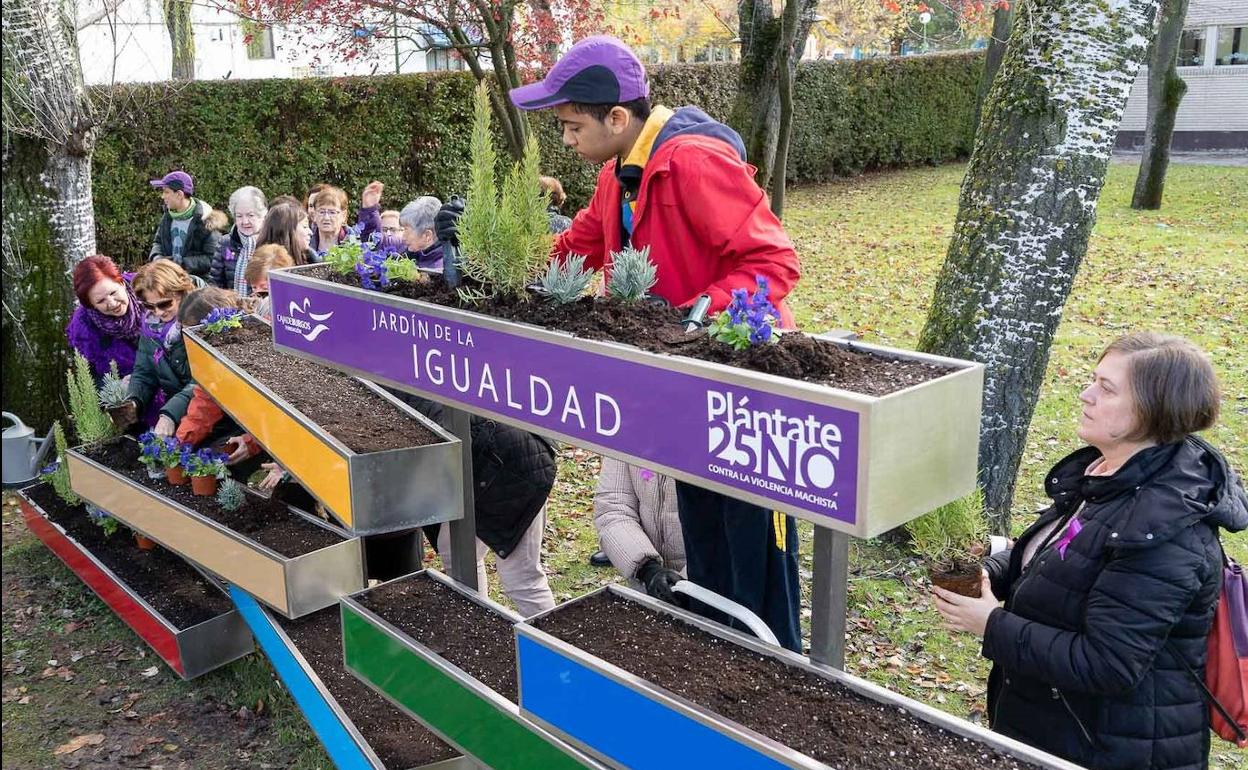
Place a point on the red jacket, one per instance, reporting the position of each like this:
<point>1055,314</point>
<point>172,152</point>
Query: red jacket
<point>202,415</point>
<point>706,222</point>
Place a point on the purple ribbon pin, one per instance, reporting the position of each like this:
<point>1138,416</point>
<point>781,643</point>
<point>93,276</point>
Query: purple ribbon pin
<point>1072,529</point>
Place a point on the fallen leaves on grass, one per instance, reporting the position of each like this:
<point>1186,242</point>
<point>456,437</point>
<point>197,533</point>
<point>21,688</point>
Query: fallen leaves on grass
<point>77,742</point>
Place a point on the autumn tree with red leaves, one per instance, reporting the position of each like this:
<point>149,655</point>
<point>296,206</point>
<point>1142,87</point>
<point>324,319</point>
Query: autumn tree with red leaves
<point>505,42</point>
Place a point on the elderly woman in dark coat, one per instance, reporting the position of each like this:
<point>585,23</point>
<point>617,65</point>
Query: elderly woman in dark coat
<point>1109,595</point>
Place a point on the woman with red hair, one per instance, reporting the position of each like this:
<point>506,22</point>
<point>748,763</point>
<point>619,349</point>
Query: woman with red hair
<point>108,321</point>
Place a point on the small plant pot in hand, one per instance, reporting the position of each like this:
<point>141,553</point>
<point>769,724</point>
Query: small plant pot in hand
<point>204,486</point>
<point>176,475</point>
<point>144,544</point>
<point>964,579</point>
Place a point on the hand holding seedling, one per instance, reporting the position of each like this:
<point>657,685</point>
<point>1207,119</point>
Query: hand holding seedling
<point>965,613</point>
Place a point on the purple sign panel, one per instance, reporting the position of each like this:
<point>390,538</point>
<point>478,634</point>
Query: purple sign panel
<point>794,453</point>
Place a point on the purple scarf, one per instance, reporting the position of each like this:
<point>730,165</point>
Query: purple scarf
<point>165,334</point>
<point>127,326</point>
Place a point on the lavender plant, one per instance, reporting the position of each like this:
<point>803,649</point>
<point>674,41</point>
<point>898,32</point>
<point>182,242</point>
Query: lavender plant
<point>632,274</point>
<point>748,320</point>
<point>112,392</point>
<point>205,462</point>
<point>505,240</point>
<point>230,495</point>
<point>566,280</point>
<point>221,318</point>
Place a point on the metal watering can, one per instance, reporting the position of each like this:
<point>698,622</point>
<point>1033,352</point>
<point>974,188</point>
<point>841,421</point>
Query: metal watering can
<point>23,452</point>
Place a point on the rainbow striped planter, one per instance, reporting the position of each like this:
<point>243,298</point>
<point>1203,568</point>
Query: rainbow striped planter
<point>372,493</point>
<point>293,586</point>
<point>335,730</point>
<point>458,708</point>
<point>188,651</point>
<point>603,709</point>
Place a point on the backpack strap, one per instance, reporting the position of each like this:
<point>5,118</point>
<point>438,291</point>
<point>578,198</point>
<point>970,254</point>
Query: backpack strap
<point>1226,715</point>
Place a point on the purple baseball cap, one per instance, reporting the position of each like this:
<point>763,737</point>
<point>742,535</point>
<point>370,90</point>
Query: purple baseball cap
<point>175,180</point>
<point>597,70</point>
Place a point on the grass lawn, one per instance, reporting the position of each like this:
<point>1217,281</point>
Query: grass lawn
<point>871,248</point>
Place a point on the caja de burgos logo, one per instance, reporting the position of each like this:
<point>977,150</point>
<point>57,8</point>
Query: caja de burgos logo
<point>801,451</point>
<point>300,319</point>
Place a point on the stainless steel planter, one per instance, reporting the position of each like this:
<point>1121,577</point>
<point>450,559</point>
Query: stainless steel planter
<point>462,710</point>
<point>601,708</point>
<point>370,493</point>
<point>337,732</point>
<point>189,651</point>
<point>293,586</point>
<point>860,464</point>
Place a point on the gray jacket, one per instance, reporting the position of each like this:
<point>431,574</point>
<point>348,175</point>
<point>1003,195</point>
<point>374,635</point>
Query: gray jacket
<point>635,515</point>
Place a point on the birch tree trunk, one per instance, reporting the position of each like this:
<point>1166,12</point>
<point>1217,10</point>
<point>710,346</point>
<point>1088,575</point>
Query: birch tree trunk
<point>49,223</point>
<point>1027,207</point>
<point>1165,91</point>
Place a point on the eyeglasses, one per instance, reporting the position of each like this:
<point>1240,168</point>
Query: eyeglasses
<point>328,212</point>
<point>159,306</point>
<point>392,230</point>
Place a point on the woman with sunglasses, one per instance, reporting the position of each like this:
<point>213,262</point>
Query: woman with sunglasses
<point>108,320</point>
<point>160,366</point>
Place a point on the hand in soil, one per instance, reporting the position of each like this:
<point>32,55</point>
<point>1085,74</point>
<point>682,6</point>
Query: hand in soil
<point>275,474</point>
<point>965,613</point>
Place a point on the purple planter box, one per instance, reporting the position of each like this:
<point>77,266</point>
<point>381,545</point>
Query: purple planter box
<point>861,464</point>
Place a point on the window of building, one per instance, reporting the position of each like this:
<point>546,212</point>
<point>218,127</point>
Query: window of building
<point>261,44</point>
<point>1232,46</point>
<point>443,60</point>
<point>1192,48</point>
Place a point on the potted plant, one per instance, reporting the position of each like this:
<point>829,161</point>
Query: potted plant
<point>152,455</point>
<point>166,454</point>
<point>112,393</point>
<point>952,540</point>
<point>204,467</point>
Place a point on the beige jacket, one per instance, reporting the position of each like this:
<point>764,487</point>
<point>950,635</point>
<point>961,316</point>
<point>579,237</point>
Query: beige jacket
<point>635,515</point>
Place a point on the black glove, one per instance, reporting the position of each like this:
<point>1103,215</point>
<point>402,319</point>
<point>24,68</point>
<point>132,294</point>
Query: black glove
<point>658,580</point>
<point>446,221</point>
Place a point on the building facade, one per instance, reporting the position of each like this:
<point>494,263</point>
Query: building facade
<point>1213,61</point>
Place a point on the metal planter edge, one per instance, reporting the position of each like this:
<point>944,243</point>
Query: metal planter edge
<point>433,472</point>
<point>897,479</point>
<point>762,744</point>
<point>308,582</point>
<point>506,708</point>
<point>200,648</point>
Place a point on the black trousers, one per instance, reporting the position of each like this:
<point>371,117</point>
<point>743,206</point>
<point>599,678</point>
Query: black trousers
<point>746,553</point>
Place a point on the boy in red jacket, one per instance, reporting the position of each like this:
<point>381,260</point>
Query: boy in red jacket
<point>677,181</point>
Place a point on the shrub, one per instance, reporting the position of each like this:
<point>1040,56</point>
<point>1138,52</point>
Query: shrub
<point>953,534</point>
<point>57,474</point>
<point>91,423</point>
<point>566,280</point>
<point>230,495</point>
<point>113,388</point>
<point>632,274</point>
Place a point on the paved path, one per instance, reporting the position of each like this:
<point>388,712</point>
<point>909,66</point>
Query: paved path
<point>1206,158</point>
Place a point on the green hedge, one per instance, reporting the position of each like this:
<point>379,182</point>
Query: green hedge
<point>411,132</point>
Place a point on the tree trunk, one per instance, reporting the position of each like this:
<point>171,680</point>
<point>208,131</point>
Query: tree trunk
<point>1165,91</point>
<point>49,224</point>
<point>756,111</point>
<point>785,69</point>
<point>181,38</point>
<point>1027,207</point>
<point>1001,18</point>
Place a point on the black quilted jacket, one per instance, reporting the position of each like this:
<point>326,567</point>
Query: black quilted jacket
<point>1084,649</point>
<point>513,472</point>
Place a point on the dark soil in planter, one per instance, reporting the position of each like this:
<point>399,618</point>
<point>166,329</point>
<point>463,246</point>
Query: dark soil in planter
<point>400,741</point>
<point>166,582</point>
<point>268,522</point>
<point>657,328</point>
<point>463,632</point>
<point>338,403</point>
<point>965,579</point>
<point>837,726</point>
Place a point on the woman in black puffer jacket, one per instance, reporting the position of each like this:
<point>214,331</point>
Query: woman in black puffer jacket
<point>1109,596</point>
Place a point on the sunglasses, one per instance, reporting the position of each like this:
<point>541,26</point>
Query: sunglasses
<point>262,293</point>
<point>161,306</point>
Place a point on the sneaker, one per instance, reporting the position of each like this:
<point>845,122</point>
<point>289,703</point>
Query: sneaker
<point>599,559</point>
